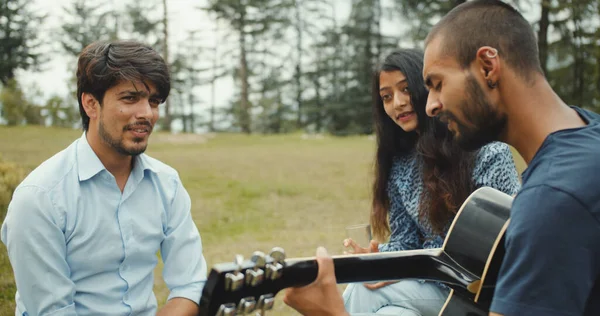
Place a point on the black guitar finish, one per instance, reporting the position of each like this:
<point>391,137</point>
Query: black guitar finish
<point>468,263</point>
<point>476,235</point>
<point>458,305</point>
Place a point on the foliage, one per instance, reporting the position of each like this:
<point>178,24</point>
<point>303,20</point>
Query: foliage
<point>18,43</point>
<point>16,109</point>
<point>10,177</point>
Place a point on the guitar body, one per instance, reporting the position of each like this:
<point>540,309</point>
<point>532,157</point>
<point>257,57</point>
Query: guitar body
<point>458,305</point>
<point>468,263</point>
<point>475,241</point>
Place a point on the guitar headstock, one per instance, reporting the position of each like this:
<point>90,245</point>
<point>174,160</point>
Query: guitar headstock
<point>243,286</point>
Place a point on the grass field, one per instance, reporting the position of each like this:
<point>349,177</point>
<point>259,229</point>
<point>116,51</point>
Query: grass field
<point>248,192</point>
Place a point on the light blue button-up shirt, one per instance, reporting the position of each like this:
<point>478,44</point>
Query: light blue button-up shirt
<point>78,246</point>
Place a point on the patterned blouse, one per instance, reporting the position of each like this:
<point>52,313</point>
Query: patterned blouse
<point>494,167</point>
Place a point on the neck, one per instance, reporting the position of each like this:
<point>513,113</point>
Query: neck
<point>117,164</point>
<point>534,111</point>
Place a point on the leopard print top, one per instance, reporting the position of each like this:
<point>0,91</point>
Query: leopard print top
<point>494,167</point>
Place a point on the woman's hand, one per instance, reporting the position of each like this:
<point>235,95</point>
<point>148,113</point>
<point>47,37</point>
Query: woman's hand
<point>373,247</point>
<point>378,285</point>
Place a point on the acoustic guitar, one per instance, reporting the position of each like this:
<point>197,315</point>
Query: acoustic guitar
<point>468,263</point>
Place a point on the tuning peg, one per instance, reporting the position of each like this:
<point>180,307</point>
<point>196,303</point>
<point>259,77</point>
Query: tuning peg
<point>265,302</point>
<point>278,254</point>
<point>259,259</point>
<point>246,305</point>
<point>226,310</point>
<point>274,268</point>
<point>238,261</point>
<point>273,271</point>
<point>234,281</point>
<point>255,276</point>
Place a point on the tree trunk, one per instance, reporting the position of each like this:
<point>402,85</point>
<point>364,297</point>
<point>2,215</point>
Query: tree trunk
<point>298,75</point>
<point>215,64</point>
<point>167,121</point>
<point>578,55</point>
<point>543,34</point>
<point>244,102</point>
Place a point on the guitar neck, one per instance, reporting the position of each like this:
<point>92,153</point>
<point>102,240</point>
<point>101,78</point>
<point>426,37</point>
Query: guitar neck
<point>427,264</point>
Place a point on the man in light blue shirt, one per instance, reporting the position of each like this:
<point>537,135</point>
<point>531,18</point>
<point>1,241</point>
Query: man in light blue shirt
<point>84,228</point>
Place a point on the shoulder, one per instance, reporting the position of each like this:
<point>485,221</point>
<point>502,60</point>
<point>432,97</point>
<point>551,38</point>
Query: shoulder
<point>550,230</point>
<point>493,151</point>
<point>495,155</point>
<point>50,173</point>
<point>165,177</point>
<point>569,161</point>
<point>159,168</point>
<point>543,202</point>
<point>402,165</point>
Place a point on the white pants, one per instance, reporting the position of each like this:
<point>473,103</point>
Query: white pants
<point>404,298</point>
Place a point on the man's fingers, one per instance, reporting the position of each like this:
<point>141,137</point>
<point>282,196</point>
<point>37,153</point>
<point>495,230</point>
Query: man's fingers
<point>325,263</point>
<point>286,296</point>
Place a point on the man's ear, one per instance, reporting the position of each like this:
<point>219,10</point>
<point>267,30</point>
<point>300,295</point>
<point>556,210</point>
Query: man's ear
<point>90,105</point>
<point>489,65</point>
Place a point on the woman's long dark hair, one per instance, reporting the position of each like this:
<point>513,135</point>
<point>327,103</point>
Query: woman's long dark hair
<point>446,170</point>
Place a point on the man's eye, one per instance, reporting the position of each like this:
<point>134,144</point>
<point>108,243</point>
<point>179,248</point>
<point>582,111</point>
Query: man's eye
<point>154,102</point>
<point>438,86</point>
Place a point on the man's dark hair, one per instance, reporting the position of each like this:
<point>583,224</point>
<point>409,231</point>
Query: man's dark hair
<point>478,23</point>
<point>105,64</point>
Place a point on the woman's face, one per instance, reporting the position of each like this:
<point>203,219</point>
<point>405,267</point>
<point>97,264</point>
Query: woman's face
<point>393,89</point>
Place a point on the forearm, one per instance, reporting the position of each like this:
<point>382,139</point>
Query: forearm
<point>179,307</point>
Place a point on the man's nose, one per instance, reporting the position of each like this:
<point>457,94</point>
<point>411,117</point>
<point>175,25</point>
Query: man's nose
<point>434,106</point>
<point>145,110</point>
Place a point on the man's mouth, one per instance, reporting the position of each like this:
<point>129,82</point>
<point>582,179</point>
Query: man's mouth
<point>140,129</point>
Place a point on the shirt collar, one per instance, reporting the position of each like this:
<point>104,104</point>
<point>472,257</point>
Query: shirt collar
<point>90,165</point>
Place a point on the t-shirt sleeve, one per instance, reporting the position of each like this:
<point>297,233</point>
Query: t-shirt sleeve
<point>552,255</point>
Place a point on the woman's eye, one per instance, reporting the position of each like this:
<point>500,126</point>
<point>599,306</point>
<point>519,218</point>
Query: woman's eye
<point>385,97</point>
<point>405,90</point>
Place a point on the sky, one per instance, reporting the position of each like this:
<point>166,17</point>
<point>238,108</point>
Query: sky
<point>183,17</point>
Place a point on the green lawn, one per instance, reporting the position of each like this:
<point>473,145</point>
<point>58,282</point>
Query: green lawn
<point>248,192</point>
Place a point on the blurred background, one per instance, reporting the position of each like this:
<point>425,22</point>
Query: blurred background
<point>269,119</point>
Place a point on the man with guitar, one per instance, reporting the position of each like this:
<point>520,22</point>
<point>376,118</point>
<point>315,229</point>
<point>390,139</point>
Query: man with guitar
<point>482,69</point>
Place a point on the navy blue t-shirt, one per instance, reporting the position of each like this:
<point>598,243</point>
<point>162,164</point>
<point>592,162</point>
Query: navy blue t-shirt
<point>552,261</point>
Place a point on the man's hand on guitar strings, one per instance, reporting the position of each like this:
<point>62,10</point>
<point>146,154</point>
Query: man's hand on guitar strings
<point>320,298</point>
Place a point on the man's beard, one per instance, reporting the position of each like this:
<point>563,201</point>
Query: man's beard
<point>485,125</point>
<point>117,144</point>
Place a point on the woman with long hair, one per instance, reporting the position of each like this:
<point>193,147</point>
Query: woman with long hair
<point>422,177</point>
